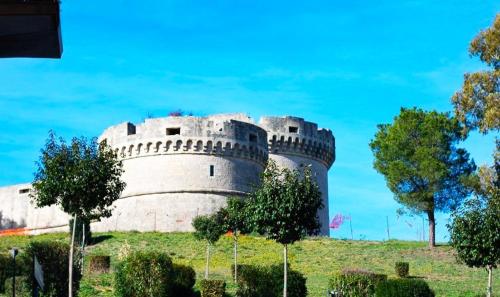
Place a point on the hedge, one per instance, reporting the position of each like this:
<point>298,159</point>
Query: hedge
<point>402,269</point>
<point>213,288</point>
<point>356,283</point>
<point>267,281</point>
<point>22,287</point>
<point>184,280</point>
<point>99,264</point>
<point>405,287</point>
<point>144,274</point>
<point>54,258</point>
<point>6,266</point>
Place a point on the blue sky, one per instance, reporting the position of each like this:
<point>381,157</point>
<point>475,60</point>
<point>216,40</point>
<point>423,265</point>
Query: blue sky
<point>347,65</point>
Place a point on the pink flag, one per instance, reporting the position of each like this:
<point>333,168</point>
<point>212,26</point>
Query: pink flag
<point>336,221</point>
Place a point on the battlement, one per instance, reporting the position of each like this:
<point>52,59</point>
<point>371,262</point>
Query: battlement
<point>295,136</point>
<point>232,135</point>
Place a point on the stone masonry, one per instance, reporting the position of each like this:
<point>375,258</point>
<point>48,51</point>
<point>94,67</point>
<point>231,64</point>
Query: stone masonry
<point>179,167</point>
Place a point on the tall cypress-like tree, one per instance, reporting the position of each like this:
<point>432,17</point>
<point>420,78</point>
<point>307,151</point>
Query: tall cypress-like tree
<point>83,178</point>
<point>422,166</point>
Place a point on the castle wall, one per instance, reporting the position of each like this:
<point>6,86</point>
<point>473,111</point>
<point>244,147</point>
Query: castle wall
<point>176,168</point>
<point>294,144</point>
<point>16,211</point>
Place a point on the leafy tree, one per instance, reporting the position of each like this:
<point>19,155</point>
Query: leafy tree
<point>208,228</point>
<point>83,178</point>
<point>285,207</point>
<point>235,220</point>
<point>477,104</point>
<point>475,229</point>
<point>421,164</point>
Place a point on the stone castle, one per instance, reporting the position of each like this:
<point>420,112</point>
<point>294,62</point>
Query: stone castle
<point>179,167</point>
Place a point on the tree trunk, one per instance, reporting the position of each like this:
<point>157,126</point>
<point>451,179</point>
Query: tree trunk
<point>285,270</point>
<point>490,280</point>
<point>70,272</point>
<point>235,258</point>
<point>208,259</point>
<point>432,229</point>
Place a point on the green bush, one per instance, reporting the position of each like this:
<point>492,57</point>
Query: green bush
<point>22,287</point>
<point>144,274</point>
<point>6,267</point>
<point>54,258</point>
<point>79,231</point>
<point>404,288</point>
<point>183,281</point>
<point>5,270</point>
<point>402,269</point>
<point>260,281</point>
<point>213,288</point>
<point>99,263</point>
<point>356,283</point>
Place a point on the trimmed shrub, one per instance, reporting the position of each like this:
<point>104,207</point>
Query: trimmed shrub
<point>183,281</point>
<point>356,283</point>
<point>402,269</point>
<point>260,281</point>
<point>406,287</point>
<point>144,274</point>
<point>5,270</point>
<point>54,258</point>
<point>22,287</point>
<point>79,231</point>
<point>6,267</point>
<point>99,264</point>
<point>213,288</point>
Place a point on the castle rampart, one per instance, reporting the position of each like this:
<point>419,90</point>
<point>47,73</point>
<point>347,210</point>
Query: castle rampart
<point>294,143</point>
<point>179,167</point>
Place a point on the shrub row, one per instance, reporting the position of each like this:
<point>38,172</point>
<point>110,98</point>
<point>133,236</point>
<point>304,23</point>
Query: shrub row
<point>23,288</point>
<point>144,274</point>
<point>356,283</point>
<point>212,288</point>
<point>267,281</point>
<point>404,288</point>
<point>53,256</point>
<point>362,283</point>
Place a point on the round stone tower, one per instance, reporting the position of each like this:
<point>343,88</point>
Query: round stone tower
<point>179,167</point>
<point>294,143</point>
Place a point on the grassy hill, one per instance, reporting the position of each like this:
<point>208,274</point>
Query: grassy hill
<point>317,258</point>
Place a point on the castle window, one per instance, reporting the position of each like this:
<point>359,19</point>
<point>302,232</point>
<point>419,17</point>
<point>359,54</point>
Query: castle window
<point>173,131</point>
<point>24,191</point>
<point>130,129</point>
<point>292,129</point>
<point>212,170</point>
<point>252,138</point>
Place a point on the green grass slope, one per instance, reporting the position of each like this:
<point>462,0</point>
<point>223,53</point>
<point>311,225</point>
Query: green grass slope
<point>317,258</point>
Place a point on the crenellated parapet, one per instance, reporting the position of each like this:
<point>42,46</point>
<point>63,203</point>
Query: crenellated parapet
<point>294,136</point>
<point>231,135</point>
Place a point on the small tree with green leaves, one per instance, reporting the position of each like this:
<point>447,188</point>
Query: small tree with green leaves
<point>475,229</point>
<point>208,228</point>
<point>422,166</point>
<point>83,178</point>
<point>285,207</point>
<point>236,221</point>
